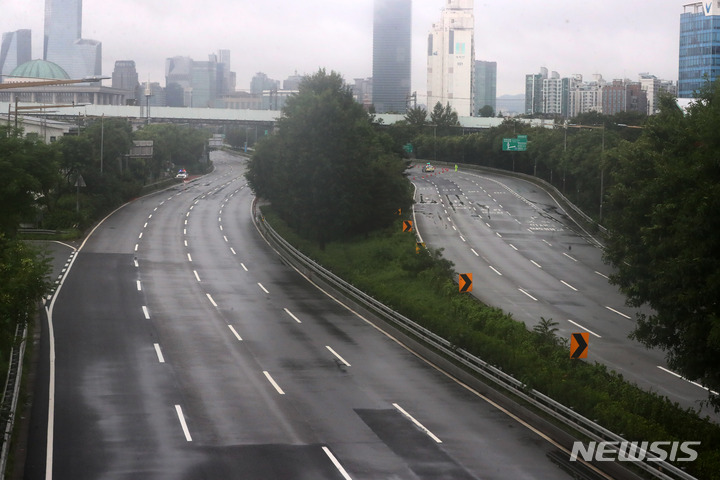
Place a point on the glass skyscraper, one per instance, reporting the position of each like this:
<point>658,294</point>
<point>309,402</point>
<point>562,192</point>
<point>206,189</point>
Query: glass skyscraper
<point>699,47</point>
<point>392,27</point>
<point>64,44</point>
<point>15,50</point>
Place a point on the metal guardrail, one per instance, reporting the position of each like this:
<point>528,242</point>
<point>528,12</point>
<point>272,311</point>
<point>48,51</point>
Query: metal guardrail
<point>8,407</point>
<point>561,413</point>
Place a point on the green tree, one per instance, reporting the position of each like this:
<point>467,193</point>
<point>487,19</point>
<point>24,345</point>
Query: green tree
<point>486,111</point>
<point>328,171</point>
<point>29,174</point>
<point>444,116</point>
<point>664,218</point>
<point>417,117</point>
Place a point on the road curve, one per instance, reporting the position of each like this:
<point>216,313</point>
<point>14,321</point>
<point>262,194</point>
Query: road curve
<point>186,349</point>
<point>529,259</point>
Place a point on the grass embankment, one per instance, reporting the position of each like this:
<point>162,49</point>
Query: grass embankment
<point>420,286</point>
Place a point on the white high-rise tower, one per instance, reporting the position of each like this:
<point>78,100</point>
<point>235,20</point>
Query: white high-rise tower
<point>79,57</point>
<point>451,58</point>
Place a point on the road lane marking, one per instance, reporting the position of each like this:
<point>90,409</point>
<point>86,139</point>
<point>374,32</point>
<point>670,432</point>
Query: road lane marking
<point>513,247</point>
<point>498,234</point>
<point>418,424</point>
<point>139,286</point>
<point>244,267</point>
<point>338,356</point>
<point>473,250</point>
<point>526,293</point>
<point>587,330</point>
<point>136,247</point>
<point>263,288</point>
<point>135,262</point>
<point>187,214</point>
<point>233,252</point>
<point>146,312</point>
<point>185,242</point>
<point>189,258</point>
<point>293,316</point>
<point>184,231</point>
<point>336,463</point>
<point>161,359</point>
<point>689,381</point>
<point>270,379</point>
<point>619,313</point>
<point>535,263</point>
<point>145,226</point>
<point>462,238</point>
<point>184,426</point>
<point>604,276</point>
<point>211,300</point>
<point>225,238</point>
<point>196,275</point>
<point>548,243</point>
<point>494,270</point>
<point>237,335</point>
<point>221,228</point>
<point>568,285</point>
<point>571,258</point>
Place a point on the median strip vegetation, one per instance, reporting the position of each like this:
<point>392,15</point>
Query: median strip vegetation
<point>421,286</point>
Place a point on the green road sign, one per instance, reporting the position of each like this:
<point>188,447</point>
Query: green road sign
<point>522,143</point>
<point>510,144</point>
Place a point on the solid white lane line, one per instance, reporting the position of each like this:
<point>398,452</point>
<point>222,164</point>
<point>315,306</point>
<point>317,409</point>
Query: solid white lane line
<point>293,316</point>
<point>184,426</point>
<point>270,379</point>
<point>571,258</point>
<point>526,293</point>
<point>568,285</point>
<point>161,359</point>
<point>146,312</point>
<point>211,300</point>
<point>619,313</point>
<point>535,263</point>
<point>683,378</point>
<point>196,275</point>
<point>604,276</point>
<point>418,424</point>
<point>139,287</point>
<point>336,463</point>
<point>494,270</point>
<point>587,330</point>
<point>338,356</point>
<point>237,335</point>
<point>263,288</point>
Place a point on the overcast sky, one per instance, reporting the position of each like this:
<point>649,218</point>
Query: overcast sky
<point>616,38</point>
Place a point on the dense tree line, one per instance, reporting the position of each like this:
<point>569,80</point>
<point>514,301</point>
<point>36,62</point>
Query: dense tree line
<point>41,186</point>
<point>663,212</point>
<point>328,171</point>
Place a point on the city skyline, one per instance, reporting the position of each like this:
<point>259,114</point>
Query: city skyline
<point>616,39</point>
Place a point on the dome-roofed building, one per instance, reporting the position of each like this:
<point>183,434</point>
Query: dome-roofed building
<point>37,69</point>
<point>75,94</point>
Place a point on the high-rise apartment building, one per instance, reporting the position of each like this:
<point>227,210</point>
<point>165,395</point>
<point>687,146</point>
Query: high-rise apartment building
<point>555,91</point>
<point>64,44</point>
<point>392,28</point>
<point>451,58</point>
<point>485,84</point>
<point>533,91</point>
<point>699,47</point>
<point>15,49</point>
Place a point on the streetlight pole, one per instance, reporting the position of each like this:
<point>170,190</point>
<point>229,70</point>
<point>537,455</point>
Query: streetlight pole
<point>602,173</point>
<point>102,141</point>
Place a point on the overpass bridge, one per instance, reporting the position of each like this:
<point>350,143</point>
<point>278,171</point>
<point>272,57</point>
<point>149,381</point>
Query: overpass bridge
<point>210,117</point>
